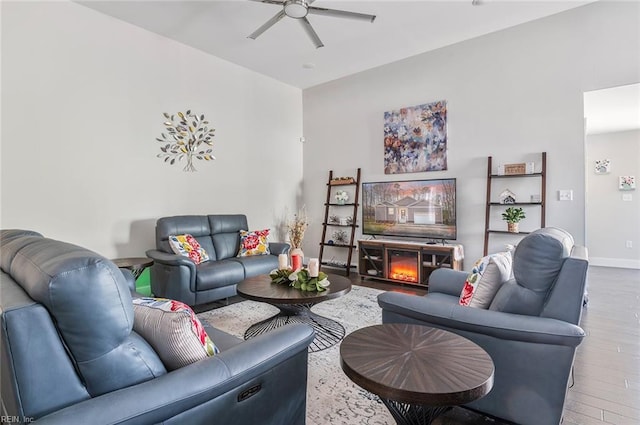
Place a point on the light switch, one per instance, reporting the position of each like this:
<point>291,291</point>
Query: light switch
<point>627,197</point>
<point>565,195</point>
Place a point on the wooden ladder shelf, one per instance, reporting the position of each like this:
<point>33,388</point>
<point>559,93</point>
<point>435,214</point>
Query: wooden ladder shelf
<point>333,185</point>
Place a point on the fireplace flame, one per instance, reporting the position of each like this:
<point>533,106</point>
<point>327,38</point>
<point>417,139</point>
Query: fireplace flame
<point>404,272</point>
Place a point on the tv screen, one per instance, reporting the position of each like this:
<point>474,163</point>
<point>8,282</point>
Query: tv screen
<point>411,208</point>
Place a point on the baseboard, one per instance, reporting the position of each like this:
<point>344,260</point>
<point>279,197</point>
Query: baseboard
<point>614,262</point>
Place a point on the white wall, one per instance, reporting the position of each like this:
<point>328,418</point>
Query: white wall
<point>611,221</point>
<point>511,94</point>
<point>82,102</point>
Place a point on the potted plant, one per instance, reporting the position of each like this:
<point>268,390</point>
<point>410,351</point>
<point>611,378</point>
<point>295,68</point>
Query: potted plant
<point>513,216</point>
<point>341,197</point>
<point>296,228</point>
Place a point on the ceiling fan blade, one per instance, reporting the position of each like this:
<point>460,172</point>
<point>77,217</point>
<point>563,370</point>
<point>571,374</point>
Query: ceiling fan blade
<point>341,14</point>
<point>311,33</point>
<point>271,22</point>
<point>270,1</point>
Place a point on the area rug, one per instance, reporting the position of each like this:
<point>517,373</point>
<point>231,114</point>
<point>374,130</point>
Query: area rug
<point>331,397</point>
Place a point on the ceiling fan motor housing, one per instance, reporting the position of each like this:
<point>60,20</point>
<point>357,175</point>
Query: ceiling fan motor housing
<point>296,8</point>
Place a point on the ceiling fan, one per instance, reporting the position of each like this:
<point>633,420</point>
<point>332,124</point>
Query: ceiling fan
<point>298,9</point>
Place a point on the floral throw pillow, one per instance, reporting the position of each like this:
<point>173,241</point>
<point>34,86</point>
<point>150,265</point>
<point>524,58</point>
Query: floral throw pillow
<point>254,243</point>
<point>173,330</point>
<point>486,277</point>
<point>186,245</point>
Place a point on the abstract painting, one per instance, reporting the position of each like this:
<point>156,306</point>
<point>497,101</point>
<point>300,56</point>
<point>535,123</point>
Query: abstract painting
<point>415,139</point>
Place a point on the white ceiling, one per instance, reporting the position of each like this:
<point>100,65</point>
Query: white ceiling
<point>284,52</point>
<point>612,109</point>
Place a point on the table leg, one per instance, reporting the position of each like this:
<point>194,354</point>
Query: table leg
<point>413,414</point>
<point>328,331</point>
<point>136,271</point>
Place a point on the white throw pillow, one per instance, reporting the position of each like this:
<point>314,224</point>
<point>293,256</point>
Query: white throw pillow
<point>173,330</point>
<point>486,277</point>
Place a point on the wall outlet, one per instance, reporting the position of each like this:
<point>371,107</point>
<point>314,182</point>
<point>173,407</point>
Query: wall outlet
<point>565,195</point>
<point>629,244</point>
<point>627,197</point>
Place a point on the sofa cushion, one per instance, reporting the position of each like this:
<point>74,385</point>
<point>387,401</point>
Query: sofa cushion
<point>539,256</point>
<point>187,246</point>
<point>195,225</point>
<point>258,264</point>
<point>486,278</point>
<point>173,330</point>
<point>216,274</point>
<point>225,233</point>
<point>254,243</point>
<point>90,303</point>
<point>537,261</point>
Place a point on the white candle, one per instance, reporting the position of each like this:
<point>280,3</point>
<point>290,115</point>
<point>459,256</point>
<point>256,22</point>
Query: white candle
<point>283,262</point>
<point>314,267</point>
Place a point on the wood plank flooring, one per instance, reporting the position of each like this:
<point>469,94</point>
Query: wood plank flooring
<point>606,387</point>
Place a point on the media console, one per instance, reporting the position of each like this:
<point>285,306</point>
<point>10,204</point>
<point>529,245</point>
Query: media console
<point>406,262</point>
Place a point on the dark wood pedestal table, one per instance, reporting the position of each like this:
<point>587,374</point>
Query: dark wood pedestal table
<point>135,264</point>
<point>417,371</point>
<point>295,307</point>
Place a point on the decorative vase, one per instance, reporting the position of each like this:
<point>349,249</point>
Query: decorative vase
<point>512,227</point>
<point>296,264</point>
<point>340,202</point>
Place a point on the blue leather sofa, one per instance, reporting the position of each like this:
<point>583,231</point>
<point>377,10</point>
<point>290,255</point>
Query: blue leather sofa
<point>531,329</point>
<point>177,277</point>
<point>68,353</point>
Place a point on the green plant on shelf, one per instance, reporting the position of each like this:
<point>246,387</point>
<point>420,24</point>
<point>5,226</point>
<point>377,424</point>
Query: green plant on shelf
<point>513,215</point>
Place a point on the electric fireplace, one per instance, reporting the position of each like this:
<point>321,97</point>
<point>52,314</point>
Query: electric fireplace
<point>403,265</point>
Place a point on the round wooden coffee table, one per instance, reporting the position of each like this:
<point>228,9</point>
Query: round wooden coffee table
<point>295,307</point>
<point>417,371</point>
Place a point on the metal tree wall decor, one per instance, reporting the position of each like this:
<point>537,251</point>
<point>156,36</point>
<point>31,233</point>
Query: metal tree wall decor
<point>187,132</point>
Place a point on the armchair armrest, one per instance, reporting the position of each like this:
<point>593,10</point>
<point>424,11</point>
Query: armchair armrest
<point>277,248</point>
<point>447,281</point>
<point>161,257</point>
<point>268,360</point>
<point>436,311</point>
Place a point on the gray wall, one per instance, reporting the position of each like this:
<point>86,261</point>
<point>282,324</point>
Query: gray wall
<point>612,221</point>
<point>82,102</point>
<point>511,94</point>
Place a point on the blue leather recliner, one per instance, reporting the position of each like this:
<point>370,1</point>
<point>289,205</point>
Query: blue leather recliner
<point>68,353</point>
<point>531,329</point>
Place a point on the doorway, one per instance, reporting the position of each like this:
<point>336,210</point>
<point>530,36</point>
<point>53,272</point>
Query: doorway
<point>612,151</point>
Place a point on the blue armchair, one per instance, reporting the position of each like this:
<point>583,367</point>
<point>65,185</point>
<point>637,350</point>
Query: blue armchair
<point>531,329</point>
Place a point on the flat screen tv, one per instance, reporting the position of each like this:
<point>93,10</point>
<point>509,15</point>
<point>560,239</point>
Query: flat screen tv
<point>410,208</point>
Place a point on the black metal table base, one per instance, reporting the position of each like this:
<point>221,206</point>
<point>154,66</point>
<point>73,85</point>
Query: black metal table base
<point>413,414</point>
<point>328,331</point>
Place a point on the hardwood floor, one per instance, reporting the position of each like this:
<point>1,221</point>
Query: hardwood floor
<point>607,365</point>
<point>606,388</point>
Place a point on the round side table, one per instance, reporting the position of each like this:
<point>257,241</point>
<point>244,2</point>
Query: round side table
<point>135,264</point>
